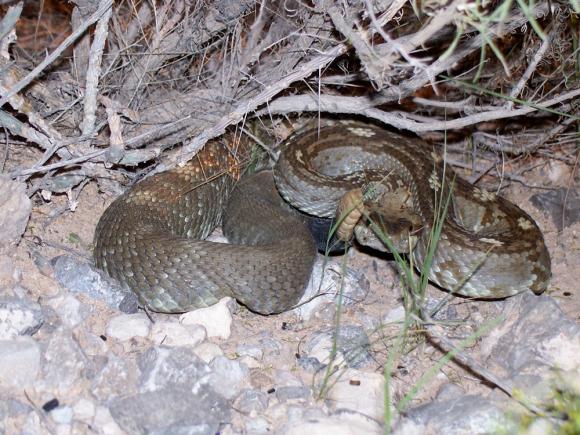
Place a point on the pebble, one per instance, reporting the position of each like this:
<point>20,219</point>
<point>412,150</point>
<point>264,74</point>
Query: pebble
<point>358,391</point>
<point>352,342</point>
<point>563,206</point>
<point>250,350</point>
<point>81,277</point>
<point>105,422</point>
<point>176,334</point>
<point>249,401</point>
<point>310,364</point>
<point>15,208</point>
<point>63,363</point>
<point>540,338</point>
<point>466,414</point>
<point>338,424</point>
<point>330,277</point>
<point>118,376</point>
<point>19,317</point>
<point>172,410</point>
<point>257,425</point>
<point>70,310</point>
<point>167,367</point>
<point>127,326</point>
<point>84,410</point>
<point>228,377</point>
<point>284,394</point>
<point>250,362</point>
<point>396,315</point>
<point>217,319</point>
<point>208,351</point>
<point>62,415</point>
<point>19,363</point>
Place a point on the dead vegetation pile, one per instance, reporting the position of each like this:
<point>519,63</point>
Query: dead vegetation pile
<point>104,90</point>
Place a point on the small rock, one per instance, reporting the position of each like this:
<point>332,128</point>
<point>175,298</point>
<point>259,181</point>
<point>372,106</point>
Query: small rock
<point>343,423</point>
<point>208,351</point>
<point>126,326</point>
<point>352,343</point>
<point>118,376</point>
<point>537,338</point>
<point>270,346</point>
<point>310,364</point>
<point>540,426</point>
<point>174,410</point>
<point>251,350</point>
<point>395,315</point>
<point>62,415</point>
<point>446,312</point>
<point>70,310</point>
<point>9,275</point>
<point>15,208</point>
<point>257,425</point>
<point>251,401</point>
<point>81,277</point>
<point>166,367</point>
<point>449,391</point>
<point>84,410</point>
<point>250,362</point>
<point>563,205</point>
<point>217,319</point>
<point>228,377</point>
<point>176,334</point>
<point>466,414</point>
<point>64,362</point>
<point>19,317</point>
<point>328,282</point>
<point>358,391</point>
<point>19,362</point>
<point>284,394</point>
<point>105,422</point>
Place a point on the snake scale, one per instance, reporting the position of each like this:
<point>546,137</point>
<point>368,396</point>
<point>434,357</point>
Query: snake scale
<point>151,237</point>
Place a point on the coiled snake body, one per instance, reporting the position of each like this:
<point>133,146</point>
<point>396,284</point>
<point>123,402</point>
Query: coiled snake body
<point>150,237</point>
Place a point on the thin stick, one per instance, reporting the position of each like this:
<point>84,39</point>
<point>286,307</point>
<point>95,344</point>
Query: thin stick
<point>94,73</point>
<point>239,112</point>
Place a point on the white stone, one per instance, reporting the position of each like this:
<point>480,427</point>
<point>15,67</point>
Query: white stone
<point>541,426</point>
<point>250,362</point>
<point>561,352</point>
<point>19,362</point>
<point>208,351</point>
<point>63,429</point>
<point>217,319</point>
<point>346,424</point>
<point>228,377</point>
<point>62,415</point>
<point>395,315</point>
<point>84,410</point>
<point>126,326</point>
<point>359,391</point>
<point>105,422</point>
<point>409,427</point>
<point>257,425</point>
<point>12,322</point>
<point>176,334</point>
<point>322,350</point>
<point>69,309</point>
<point>329,278</point>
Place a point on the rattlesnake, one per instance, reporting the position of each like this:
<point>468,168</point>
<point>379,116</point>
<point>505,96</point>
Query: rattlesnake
<point>150,237</point>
